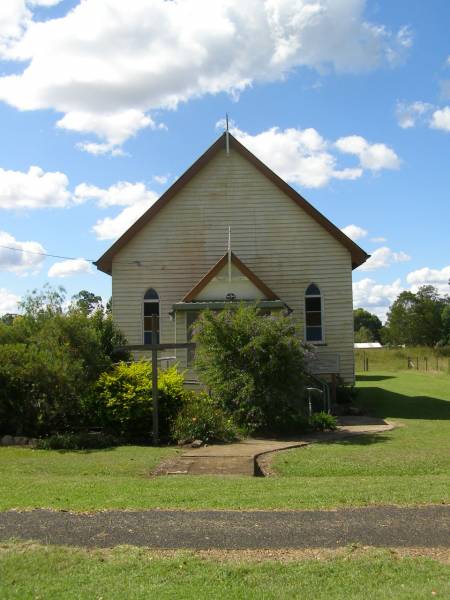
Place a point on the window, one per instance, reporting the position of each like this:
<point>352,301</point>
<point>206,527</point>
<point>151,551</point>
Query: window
<point>313,314</point>
<point>151,307</point>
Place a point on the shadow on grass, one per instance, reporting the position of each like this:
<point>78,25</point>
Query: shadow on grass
<point>374,377</point>
<point>360,439</point>
<point>386,404</point>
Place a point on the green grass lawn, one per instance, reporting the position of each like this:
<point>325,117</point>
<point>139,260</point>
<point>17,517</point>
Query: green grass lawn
<point>31,572</point>
<point>420,447</point>
<point>407,466</point>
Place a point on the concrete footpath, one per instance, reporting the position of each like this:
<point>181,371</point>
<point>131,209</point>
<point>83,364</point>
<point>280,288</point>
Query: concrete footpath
<point>386,526</point>
<point>252,456</point>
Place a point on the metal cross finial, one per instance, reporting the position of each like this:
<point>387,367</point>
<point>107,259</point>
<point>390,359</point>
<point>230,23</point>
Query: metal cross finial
<point>227,136</point>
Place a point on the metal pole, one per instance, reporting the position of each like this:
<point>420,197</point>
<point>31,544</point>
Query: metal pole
<point>155,381</point>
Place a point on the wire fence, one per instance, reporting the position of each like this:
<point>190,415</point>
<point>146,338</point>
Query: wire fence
<point>402,359</point>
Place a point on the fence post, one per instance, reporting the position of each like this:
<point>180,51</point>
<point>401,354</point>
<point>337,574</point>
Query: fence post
<point>437,363</point>
<point>408,362</point>
<point>155,382</point>
<point>367,363</point>
<point>426,363</point>
<point>417,363</point>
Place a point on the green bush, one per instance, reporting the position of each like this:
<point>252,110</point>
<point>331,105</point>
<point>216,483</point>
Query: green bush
<point>77,441</point>
<point>39,389</point>
<point>323,421</point>
<point>123,399</point>
<point>201,418</point>
<point>254,367</point>
<point>50,358</point>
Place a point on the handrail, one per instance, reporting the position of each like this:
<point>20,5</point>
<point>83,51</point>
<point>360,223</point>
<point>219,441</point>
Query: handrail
<point>325,390</point>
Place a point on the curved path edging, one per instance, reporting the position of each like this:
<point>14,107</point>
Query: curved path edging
<point>263,460</point>
<point>250,457</point>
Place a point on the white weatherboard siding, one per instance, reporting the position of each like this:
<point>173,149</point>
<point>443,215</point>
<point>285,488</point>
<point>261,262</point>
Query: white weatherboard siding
<point>285,247</point>
<point>221,285</point>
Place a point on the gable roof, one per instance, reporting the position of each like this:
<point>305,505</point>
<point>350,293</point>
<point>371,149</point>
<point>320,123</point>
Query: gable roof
<point>359,256</point>
<point>193,293</point>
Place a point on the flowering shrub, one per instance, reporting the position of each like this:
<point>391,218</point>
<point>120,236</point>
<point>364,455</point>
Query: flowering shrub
<point>201,418</point>
<point>123,399</point>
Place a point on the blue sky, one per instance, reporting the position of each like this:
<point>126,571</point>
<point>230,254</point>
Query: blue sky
<point>348,100</point>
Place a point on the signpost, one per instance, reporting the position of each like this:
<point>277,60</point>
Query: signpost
<point>154,347</point>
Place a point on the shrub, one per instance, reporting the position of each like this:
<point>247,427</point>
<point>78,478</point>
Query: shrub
<point>39,389</point>
<point>201,418</point>
<point>253,365</point>
<point>50,359</point>
<point>123,399</point>
<point>77,441</point>
<point>323,421</point>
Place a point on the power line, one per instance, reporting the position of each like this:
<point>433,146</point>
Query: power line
<point>44,254</point>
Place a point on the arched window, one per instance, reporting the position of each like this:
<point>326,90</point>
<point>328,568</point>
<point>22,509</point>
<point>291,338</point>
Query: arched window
<point>151,307</point>
<point>313,314</point>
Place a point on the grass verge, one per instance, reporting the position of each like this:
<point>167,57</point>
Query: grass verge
<point>34,571</point>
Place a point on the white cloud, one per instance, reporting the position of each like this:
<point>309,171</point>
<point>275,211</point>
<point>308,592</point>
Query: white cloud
<point>408,114</point>
<point>114,127</point>
<point>112,227</point>
<point>379,240</point>
<point>440,119</point>
<point>375,297</point>
<point>135,196</point>
<point>8,301</point>
<point>372,156</point>
<point>383,257</point>
<point>21,260</point>
<point>15,17</point>
<point>161,179</point>
<point>378,297</point>
<point>124,59</point>
<point>122,193</point>
<point>439,278</point>
<point>67,268</point>
<point>354,232</point>
<point>34,189</point>
<point>304,157</point>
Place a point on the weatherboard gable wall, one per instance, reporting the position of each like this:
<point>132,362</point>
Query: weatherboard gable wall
<point>283,245</point>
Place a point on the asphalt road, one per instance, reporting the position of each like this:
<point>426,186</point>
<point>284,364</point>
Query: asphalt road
<point>426,527</point>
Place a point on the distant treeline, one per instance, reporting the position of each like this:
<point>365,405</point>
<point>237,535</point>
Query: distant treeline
<point>414,319</point>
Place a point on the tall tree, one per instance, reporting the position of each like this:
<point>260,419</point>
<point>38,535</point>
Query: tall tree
<point>415,319</point>
<point>87,301</point>
<point>370,322</point>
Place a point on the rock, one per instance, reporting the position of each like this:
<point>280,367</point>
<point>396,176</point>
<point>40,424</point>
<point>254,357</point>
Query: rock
<point>197,444</point>
<point>20,440</point>
<point>7,440</point>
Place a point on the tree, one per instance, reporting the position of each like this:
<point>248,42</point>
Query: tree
<point>254,366</point>
<point>88,302</point>
<point>50,358</point>
<point>364,335</point>
<point>370,322</point>
<point>445,318</point>
<point>416,318</point>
